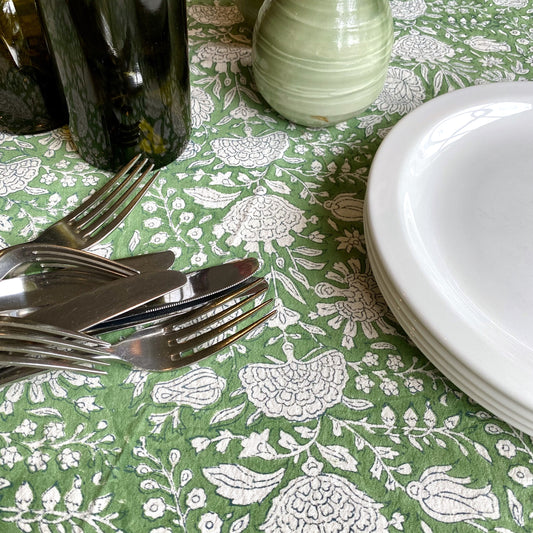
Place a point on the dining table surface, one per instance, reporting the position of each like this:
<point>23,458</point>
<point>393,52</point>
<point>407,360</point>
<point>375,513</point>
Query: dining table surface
<point>327,418</point>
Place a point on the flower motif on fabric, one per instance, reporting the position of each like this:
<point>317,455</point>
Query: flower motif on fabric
<point>223,54</point>
<point>210,523</point>
<point>262,218</point>
<point>362,305</point>
<point>403,91</point>
<point>346,206</point>
<point>522,475</point>
<point>249,151</point>
<point>36,388</point>
<point>408,9</point>
<point>16,175</point>
<point>57,139</point>
<point>201,107</point>
<point>296,390</point>
<point>323,502</point>
<point>422,48</point>
<point>448,499</point>
<point>216,15</point>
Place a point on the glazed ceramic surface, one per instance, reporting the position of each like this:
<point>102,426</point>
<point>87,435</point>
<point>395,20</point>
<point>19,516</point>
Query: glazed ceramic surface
<point>319,62</point>
<point>448,222</point>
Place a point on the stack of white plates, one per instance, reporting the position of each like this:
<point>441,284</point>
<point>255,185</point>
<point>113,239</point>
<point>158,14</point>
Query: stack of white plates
<point>449,232</point>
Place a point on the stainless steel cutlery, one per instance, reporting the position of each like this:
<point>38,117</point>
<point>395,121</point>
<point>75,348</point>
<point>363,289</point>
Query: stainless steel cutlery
<point>103,211</point>
<point>22,295</point>
<point>62,291</point>
<point>178,341</point>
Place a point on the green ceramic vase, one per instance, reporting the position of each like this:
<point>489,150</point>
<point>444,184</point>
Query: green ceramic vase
<point>320,62</point>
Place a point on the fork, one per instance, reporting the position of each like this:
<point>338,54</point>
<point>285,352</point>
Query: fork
<point>14,260</point>
<point>42,342</point>
<point>166,346</point>
<point>158,348</point>
<point>88,223</point>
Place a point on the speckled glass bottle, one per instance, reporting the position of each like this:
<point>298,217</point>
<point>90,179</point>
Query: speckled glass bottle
<point>319,62</point>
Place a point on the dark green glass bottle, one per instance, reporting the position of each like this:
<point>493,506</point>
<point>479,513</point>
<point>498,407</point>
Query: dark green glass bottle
<point>31,99</point>
<point>124,69</point>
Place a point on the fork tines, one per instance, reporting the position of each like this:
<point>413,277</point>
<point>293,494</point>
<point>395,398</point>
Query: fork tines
<point>108,203</point>
<point>53,332</point>
<point>28,343</point>
<point>197,334</point>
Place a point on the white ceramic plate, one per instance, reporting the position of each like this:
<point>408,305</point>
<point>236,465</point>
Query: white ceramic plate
<point>448,364</point>
<point>449,211</point>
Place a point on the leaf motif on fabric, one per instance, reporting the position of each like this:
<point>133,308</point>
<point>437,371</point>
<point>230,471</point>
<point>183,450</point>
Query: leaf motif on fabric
<point>227,414</point>
<point>24,496</point>
<point>309,265</point>
<point>45,411</point>
<point>100,503</point>
<point>338,457</point>
<point>241,485</point>
<point>516,508</point>
<point>50,498</point>
<point>482,451</point>
<point>357,404</point>
<point>278,186</point>
<point>211,198</point>
<point>240,525</point>
<point>311,252</point>
<point>289,285</point>
<point>134,241</point>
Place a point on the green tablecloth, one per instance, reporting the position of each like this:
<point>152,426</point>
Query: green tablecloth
<point>328,419</point>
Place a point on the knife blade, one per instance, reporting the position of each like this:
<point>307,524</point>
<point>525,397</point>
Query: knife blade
<point>22,295</point>
<point>109,300</point>
<point>148,262</point>
<point>200,287</point>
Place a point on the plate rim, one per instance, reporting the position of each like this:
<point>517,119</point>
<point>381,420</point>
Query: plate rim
<point>381,200</point>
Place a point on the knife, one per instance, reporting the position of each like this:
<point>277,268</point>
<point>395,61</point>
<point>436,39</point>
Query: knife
<point>200,287</point>
<point>88,309</point>
<point>147,262</point>
<point>25,294</point>
<point>109,300</point>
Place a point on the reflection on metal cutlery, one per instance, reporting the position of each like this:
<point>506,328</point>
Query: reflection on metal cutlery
<point>16,259</point>
<point>40,342</point>
<point>103,211</point>
<point>24,294</point>
<point>169,345</point>
<point>201,287</point>
<point>158,347</point>
<point>109,300</point>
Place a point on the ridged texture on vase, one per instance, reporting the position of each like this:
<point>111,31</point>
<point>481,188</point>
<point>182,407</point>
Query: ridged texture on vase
<point>319,62</point>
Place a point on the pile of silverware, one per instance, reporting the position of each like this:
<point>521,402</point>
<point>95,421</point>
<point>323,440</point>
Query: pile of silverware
<point>56,300</point>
